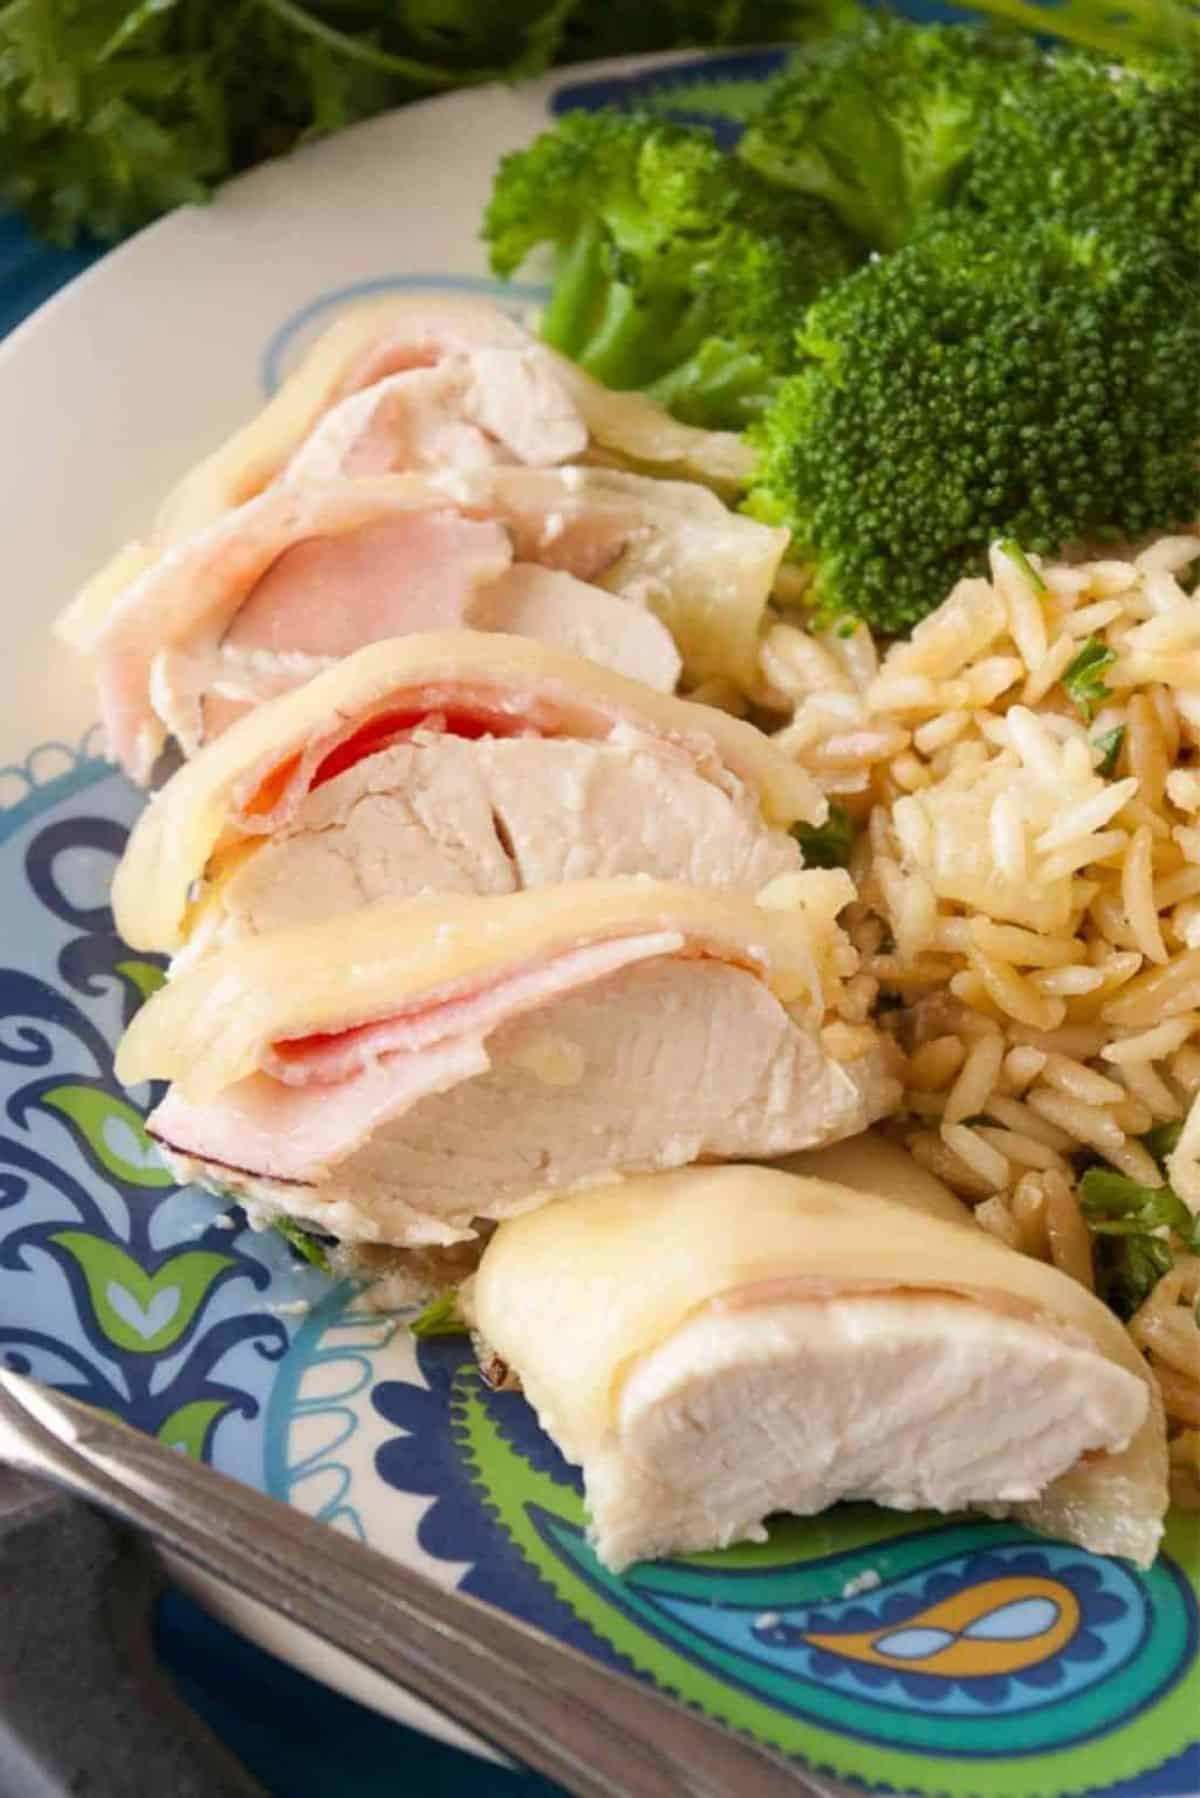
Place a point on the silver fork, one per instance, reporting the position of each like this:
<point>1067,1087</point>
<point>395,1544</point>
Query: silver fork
<point>599,1734</point>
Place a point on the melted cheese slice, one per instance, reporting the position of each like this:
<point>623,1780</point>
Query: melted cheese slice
<point>216,1023</point>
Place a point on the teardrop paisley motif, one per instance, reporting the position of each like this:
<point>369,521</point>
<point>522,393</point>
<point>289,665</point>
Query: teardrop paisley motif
<point>959,1642</point>
<point>997,1626</point>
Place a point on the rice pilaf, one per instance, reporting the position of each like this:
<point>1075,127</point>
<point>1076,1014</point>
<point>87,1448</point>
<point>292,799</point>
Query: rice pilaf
<point>1024,773</point>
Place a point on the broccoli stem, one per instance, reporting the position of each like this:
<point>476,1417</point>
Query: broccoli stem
<point>708,386</point>
<point>615,350</point>
<point>567,321</point>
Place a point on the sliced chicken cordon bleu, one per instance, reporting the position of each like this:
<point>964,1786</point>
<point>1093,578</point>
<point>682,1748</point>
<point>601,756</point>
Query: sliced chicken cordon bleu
<point>420,381</point>
<point>718,1344</point>
<point>398,1074</point>
<point>457,762</point>
<point>632,573</point>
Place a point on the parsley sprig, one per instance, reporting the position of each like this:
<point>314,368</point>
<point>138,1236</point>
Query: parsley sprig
<point>1083,679</point>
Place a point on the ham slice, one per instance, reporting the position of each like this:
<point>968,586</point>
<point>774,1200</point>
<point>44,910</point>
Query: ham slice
<point>277,1131</point>
<point>276,590</point>
<point>324,1059</point>
<point>328,595</point>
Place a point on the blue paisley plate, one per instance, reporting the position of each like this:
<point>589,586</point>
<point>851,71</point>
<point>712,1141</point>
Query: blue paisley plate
<point>925,1655</point>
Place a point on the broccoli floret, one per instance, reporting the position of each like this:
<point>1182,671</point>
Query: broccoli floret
<point>879,122</point>
<point>1090,136</point>
<point>973,386</point>
<point>676,269</point>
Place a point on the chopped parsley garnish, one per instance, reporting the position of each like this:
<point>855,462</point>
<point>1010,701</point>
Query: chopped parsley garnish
<point>1115,1205</point>
<point>304,1243</point>
<point>1130,1220</point>
<point>827,845</point>
<point>1162,1140</point>
<point>440,1317</point>
<point>1083,681</point>
<point>1108,747</point>
<point>1016,555</point>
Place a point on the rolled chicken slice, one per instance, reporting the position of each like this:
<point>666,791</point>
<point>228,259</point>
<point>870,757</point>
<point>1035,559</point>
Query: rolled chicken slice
<point>718,1344</point>
<point>401,1073</point>
<point>413,379</point>
<point>457,762</point>
<point>629,572</point>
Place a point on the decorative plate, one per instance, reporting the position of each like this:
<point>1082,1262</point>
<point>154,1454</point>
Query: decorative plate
<point>925,1655</point>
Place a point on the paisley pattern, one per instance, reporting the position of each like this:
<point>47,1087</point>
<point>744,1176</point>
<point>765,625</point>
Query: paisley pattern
<point>115,1284</point>
<point>882,1642</point>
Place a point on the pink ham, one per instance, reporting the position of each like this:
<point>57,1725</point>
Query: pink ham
<point>277,1125</point>
<point>272,593</point>
<point>282,1132</point>
<point>330,595</point>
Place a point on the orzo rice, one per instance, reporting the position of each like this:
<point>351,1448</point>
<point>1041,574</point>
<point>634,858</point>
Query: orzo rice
<point>1028,920</point>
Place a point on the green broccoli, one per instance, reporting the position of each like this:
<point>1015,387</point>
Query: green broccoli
<point>878,122</point>
<point>676,269</point>
<point>973,386</point>
<point>1090,136</point>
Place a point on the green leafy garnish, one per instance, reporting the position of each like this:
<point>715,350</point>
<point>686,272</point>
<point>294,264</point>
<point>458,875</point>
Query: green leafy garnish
<point>827,845</point>
<point>111,111</point>
<point>440,1317</point>
<point>1129,1269</point>
<point>1162,1140</point>
<point>303,1242</point>
<point>1136,1227</point>
<point>1108,744</point>
<point>1083,681</point>
<point>1012,549</point>
<point>1114,1205</point>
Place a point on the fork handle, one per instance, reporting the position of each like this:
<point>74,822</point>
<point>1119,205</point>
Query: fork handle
<point>598,1733</point>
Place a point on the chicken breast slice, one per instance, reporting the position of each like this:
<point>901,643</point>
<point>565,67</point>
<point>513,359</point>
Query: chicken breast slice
<point>462,685</point>
<point>656,1065</point>
<point>564,613</point>
<point>934,1404</point>
<point>496,816</point>
<point>474,409</point>
<point>718,1344</point>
